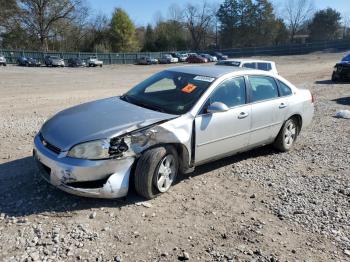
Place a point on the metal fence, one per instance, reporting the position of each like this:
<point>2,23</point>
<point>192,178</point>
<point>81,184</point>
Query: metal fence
<point>131,58</point>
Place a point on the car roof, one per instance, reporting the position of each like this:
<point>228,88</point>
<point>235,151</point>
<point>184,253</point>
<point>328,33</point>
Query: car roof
<point>211,71</point>
<point>250,60</point>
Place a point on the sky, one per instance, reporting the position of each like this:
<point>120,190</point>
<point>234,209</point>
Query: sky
<point>143,12</point>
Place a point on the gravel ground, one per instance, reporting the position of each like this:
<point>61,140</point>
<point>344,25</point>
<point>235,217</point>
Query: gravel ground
<point>258,206</point>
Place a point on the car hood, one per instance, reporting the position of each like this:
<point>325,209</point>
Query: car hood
<point>346,63</point>
<point>99,119</point>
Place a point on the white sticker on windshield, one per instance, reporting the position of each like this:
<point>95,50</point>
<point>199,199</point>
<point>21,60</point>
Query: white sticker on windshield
<point>204,78</point>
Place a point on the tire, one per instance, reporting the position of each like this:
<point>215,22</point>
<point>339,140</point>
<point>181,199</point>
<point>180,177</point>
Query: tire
<point>334,79</point>
<point>150,181</point>
<point>287,135</point>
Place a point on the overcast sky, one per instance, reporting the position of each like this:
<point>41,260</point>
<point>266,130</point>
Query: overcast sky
<point>145,11</point>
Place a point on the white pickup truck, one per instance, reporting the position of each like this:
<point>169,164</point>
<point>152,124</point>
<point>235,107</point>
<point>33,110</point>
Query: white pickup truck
<point>93,61</point>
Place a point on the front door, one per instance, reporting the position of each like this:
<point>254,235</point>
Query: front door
<point>221,133</point>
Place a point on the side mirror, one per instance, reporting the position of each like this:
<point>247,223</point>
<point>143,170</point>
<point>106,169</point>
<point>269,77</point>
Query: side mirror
<point>217,107</point>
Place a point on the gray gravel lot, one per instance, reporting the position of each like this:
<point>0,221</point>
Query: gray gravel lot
<point>257,206</point>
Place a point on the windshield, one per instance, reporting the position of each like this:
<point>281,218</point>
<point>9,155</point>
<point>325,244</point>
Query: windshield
<point>169,92</point>
<point>346,58</point>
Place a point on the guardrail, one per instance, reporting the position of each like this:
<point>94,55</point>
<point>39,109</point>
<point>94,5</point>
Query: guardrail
<point>131,58</point>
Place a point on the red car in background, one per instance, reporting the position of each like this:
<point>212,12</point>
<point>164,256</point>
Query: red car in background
<point>196,59</point>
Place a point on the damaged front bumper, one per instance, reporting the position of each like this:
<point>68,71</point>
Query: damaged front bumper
<point>89,178</point>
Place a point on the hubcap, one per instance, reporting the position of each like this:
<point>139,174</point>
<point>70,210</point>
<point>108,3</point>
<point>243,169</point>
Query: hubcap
<point>166,173</point>
<point>289,135</point>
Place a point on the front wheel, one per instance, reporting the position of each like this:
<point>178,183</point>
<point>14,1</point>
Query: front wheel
<point>334,78</point>
<point>156,171</point>
<point>287,136</point>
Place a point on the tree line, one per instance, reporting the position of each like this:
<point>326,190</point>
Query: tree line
<point>67,25</point>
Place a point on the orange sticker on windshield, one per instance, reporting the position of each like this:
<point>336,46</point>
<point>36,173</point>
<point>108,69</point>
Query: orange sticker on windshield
<point>189,88</point>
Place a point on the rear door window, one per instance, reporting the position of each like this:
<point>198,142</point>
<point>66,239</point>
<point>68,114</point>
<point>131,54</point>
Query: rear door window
<point>263,88</point>
<point>249,65</point>
<point>264,66</point>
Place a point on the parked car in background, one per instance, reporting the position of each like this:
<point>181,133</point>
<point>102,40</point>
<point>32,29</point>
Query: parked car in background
<point>183,57</point>
<point>269,66</point>
<point>146,60</point>
<point>28,61</point>
<point>219,56</point>
<point>196,59</point>
<point>3,60</point>
<point>93,61</point>
<point>54,61</point>
<point>341,71</point>
<point>172,122</point>
<point>76,62</point>
<point>168,59</point>
<point>210,58</point>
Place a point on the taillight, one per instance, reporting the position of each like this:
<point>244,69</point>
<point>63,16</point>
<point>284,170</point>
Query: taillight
<point>313,98</point>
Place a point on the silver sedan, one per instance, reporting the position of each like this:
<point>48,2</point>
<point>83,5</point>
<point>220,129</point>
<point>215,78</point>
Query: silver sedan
<point>172,122</point>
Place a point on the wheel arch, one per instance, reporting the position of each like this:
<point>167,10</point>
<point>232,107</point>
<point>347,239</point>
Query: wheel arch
<point>299,120</point>
<point>182,153</point>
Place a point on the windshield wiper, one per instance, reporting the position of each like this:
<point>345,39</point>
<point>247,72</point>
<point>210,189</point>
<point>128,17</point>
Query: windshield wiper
<point>125,98</point>
<point>152,107</point>
<point>138,103</point>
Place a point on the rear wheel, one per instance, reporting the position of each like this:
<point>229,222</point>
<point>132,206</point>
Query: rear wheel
<point>156,171</point>
<point>287,136</point>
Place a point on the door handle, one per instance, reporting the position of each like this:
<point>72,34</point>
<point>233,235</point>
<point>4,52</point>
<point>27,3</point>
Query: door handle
<point>243,115</point>
<point>282,105</point>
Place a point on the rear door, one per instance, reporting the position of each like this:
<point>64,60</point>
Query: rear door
<point>268,109</point>
<point>220,133</point>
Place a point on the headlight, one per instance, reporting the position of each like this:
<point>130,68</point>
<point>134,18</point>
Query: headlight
<point>93,150</point>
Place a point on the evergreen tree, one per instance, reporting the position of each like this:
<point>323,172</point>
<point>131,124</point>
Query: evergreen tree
<point>122,32</point>
<point>325,25</point>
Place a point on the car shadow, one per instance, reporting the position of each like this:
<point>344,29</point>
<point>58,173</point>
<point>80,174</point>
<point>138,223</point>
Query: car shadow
<point>24,192</point>
<point>330,82</point>
<point>342,100</point>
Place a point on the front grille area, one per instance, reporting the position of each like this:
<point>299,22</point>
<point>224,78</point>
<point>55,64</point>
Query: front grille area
<point>89,184</point>
<point>48,145</point>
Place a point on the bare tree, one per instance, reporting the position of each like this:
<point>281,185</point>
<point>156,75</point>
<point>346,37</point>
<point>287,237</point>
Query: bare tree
<point>346,25</point>
<point>7,11</point>
<point>39,17</point>
<point>198,20</point>
<point>297,13</point>
<point>175,13</point>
